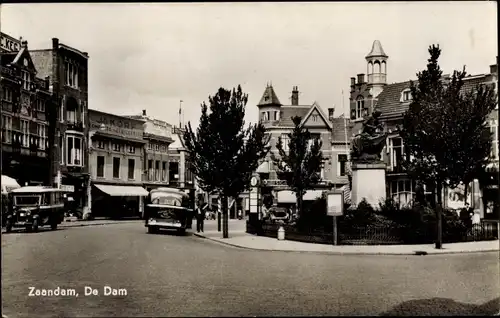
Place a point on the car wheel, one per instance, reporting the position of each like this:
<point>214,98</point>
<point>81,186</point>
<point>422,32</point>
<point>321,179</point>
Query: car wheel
<point>8,226</point>
<point>53,226</point>
<point>152,230</point>
<point>34,226</point>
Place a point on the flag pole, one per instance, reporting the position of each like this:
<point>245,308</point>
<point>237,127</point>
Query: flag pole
<point>180,114</point>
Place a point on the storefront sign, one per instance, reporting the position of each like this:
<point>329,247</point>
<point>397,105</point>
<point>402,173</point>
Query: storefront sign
<point>67,188</point>
<point>9,44</point>
<point>335,203</point>
<point>134,133</point>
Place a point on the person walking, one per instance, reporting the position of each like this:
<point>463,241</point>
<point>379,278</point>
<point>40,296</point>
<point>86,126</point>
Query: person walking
<point>200,218</point>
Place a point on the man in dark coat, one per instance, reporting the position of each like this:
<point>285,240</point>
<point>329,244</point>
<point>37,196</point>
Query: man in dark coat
<point>200,218</point>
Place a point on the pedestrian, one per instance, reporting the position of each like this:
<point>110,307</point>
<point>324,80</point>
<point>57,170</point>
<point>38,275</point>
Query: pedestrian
<point>200,217</point>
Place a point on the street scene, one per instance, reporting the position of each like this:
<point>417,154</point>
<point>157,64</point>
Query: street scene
<point>249,159</point>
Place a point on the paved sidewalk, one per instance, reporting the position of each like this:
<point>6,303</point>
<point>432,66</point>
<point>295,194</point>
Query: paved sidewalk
<point>238,238</point>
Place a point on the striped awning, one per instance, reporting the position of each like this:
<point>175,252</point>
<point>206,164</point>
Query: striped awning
<point>347,194</point>
<point>492,167</point>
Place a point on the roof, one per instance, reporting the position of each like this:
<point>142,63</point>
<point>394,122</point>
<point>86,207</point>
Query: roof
<point>321,113</point>
<point>36,189</point>
<point>389,101</point>
<point>7,58</point>
<point>287,112</point>
<point>269,97</point>
<point>178,142</point>
<point>377,50</point>
<point>42,59</point>
<point>339,130</point>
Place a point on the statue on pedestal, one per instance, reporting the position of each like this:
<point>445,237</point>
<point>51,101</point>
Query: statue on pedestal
<point>367,146</point>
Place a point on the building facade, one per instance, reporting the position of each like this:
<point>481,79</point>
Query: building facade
<point>393,101</point>
<point>158,138</point>
<point>116,164</point>
<point>67,68</point>
<point>27,113</point>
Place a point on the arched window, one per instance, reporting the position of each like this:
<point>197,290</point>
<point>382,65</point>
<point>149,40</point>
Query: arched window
<point>360,105</point>
<point>376,67</point>
<point>71,109</point>
<point>384,67</point>
<point>370,68</point>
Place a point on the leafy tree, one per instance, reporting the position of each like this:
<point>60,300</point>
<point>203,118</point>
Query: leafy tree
<point>224,153</point>
<point>300,166</point>
<point>444,131</point>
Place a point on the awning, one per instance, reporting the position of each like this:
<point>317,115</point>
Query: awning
<point>492,167</point>
<point>8,184</point>
<point>263,168</point>
<point>287,196</point>
<point>122,191</point>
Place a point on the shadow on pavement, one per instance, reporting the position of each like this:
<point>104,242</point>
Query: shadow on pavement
<point>172,233</point>
<point>23,231</point>
<point>443,307</point>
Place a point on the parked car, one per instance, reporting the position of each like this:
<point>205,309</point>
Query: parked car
<point>277,214</point>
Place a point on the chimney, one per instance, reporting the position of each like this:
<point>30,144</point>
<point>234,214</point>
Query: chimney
<point>143,112</point>
<point>353,81</point>
<point>361,78</point>
<point>55,43</point>
<point>295,96</point>
<point>330,113</point>
<point>24,44</point>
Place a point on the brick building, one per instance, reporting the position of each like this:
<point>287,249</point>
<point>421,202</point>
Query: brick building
<point>27,112</point>
<point>158,138</point>
<point>393,101</point>
<point>116,160</point>
<point>67,68</point>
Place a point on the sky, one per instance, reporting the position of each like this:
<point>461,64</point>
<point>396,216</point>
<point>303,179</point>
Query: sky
<point>152,56</point>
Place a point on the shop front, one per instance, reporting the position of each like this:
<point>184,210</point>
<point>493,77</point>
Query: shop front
<point>76,185</point>
<point>118,201</point>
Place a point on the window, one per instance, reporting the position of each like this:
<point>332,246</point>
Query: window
<point>313,137</point>
<point>100,166</point>
<point>275,115</point>
<point>157,147</point>
<point>173,171</point>
<point>131,149</point>
<point>314,117</point>
<point>406,95</point>
<point>360,105</point>
<point>6,129</point>
<point>74,151</point>
<point>396,151</point>
<point>265,116</point>
<point>494,141</point>
<point>150,170</point>
<point>322,171</point>
<point>42,136</point>
<point>71,72</point>
<point>164,171</point>
<point>285,141</point>
<point>61,148</point>
<point>157,170</point>
<point>40,105</point>
<point>7,94</point>
<point>116,146</point>
<point>131,169</point>
<point>116,167</point>
<point>25,132</point>
<point>402,191</point>
<point>100,144</point>
<point>150,146</point>
<point>342,165</point>
<point>26,77</point>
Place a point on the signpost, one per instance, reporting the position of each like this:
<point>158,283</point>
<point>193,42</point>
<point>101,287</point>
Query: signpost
<point>335,207</point>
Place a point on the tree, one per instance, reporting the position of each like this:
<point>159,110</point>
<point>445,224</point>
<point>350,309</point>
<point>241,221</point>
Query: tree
<point>300,165</point>
<point>444,131</point>
<point>224,153</point>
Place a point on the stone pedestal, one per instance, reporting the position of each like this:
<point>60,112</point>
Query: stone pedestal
<point>368,181</point>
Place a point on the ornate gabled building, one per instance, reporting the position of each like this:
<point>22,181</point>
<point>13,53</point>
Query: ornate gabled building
<point>27,112</point>
<point>393,101</point>
<point>277,119</point>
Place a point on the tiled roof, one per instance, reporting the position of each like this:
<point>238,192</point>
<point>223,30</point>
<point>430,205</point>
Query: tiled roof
<point>389,101</point>
<point>287,112</point>
<point>43,62</point>
<point>269,97</point>
<point>339,130</point>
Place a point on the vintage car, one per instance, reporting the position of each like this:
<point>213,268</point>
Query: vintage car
<point>278,214</point>
<point>35,206</point>
<point>168,209</point>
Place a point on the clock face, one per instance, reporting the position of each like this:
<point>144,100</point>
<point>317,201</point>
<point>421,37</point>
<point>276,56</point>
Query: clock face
<point>253,181</point>
<point>25,62</point>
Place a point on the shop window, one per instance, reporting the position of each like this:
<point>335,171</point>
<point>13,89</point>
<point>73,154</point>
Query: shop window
<point>116,167</point>
<point>74,151</point>
<point>341,164</point>
<point>6,129</point>
<point>100,166</point>
<point>131,169</point>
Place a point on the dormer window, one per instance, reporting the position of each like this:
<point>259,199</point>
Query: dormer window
<point>406,95</point>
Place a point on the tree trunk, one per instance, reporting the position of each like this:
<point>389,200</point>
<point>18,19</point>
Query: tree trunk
<point>299,205</point>
<point>225,228</point>
<point>439,213</point>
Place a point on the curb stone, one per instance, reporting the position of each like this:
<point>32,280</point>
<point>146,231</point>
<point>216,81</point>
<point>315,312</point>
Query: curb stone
<point>414,253</point>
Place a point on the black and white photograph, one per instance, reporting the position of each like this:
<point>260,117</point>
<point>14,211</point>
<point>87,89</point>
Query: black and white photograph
<point>249,159</point>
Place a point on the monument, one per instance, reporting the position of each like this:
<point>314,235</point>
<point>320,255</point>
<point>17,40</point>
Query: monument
<point>368,170</point>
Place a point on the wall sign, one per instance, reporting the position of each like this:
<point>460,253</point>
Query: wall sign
<point>335,203</point>
<point>9,44</point>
